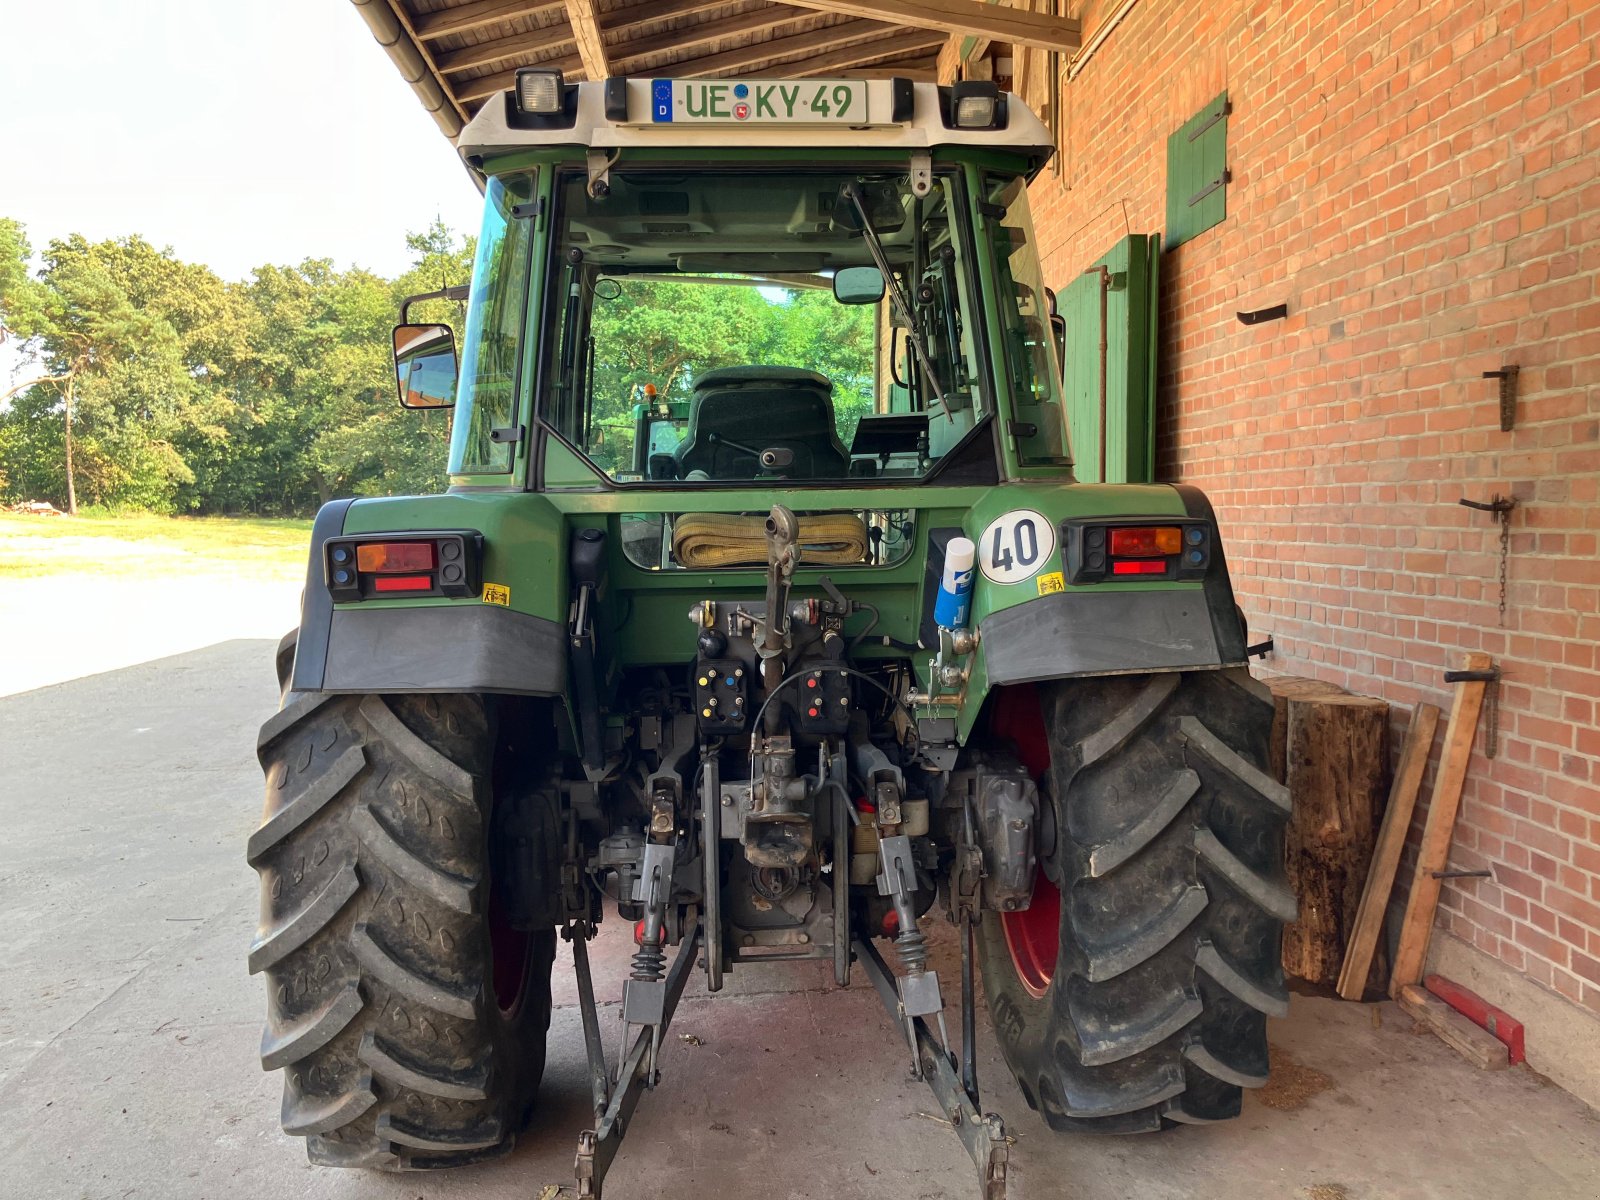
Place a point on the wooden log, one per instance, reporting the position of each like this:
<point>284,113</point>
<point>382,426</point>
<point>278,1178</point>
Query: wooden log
<point>1423,903</point>
<point>1338,767</point>
<point>1478,1046</point>
<point>1285,688</point>
<point>1357,967</point>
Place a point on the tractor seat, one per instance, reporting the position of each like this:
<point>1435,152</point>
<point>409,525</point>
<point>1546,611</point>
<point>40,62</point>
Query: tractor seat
<point>762,407</point>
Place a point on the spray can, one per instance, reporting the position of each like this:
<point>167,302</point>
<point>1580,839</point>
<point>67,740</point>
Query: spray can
<point>954,604</point>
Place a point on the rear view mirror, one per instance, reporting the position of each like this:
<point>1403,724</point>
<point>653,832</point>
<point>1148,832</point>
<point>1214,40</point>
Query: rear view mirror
<point>425,365</point>
<point>858,285</point>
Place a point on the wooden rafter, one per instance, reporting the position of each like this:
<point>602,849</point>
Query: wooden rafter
<point>485,86</point>
<point>949,65</point>
<point>846,47</point>
<point>542,41</point>
<point>554,38</point>
<point>585,22</point>
<point>654,13</point>
<point>761,20</point>
<point>481,13</point>
<point>965,17</point>
<point>920,65</point>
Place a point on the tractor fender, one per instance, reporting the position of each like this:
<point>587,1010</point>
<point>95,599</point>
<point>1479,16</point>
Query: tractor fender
<point>466,646</point>
<point>1082,631</point>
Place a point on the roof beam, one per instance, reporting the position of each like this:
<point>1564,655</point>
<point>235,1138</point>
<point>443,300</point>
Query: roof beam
<point>555,37</point>
<point>920,69</point>
<point>503,81</point>
<point>585,22</point>
<point>647,15</point>
<point>484,53</point>
<point>819,55</point>
<point>768,16</point>
<point>478,14</point>
<point>966,17</point>
<point>949,65</point>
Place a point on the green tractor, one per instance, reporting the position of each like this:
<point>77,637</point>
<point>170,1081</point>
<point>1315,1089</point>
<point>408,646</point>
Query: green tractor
<point>810,643</point>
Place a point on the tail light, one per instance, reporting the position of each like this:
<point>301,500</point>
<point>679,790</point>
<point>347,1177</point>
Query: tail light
<point>384,565</point>
<point>1137,550</point>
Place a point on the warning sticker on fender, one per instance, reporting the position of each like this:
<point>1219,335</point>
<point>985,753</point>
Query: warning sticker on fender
<point>1050,583</point>
<point>497,593</point>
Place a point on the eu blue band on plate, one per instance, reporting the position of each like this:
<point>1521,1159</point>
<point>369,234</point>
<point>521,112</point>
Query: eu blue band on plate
<point>661,99</point>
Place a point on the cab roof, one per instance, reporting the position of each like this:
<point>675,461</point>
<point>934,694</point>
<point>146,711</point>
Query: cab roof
<point>901,115</point>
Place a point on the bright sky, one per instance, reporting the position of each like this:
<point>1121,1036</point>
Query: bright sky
<point>236,132</point>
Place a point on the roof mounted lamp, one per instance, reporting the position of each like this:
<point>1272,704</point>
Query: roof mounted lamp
<point>540,92</point>
<point>976,104</point>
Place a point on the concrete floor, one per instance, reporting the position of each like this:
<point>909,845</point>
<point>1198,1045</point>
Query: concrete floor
<point>128,1028</point>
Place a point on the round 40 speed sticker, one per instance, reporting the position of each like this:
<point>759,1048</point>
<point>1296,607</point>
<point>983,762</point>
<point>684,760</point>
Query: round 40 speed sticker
<point>1016,546</point>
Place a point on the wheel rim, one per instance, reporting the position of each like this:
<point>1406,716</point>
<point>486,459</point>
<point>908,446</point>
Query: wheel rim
<point>510,951</point>
<point>1033,934</point>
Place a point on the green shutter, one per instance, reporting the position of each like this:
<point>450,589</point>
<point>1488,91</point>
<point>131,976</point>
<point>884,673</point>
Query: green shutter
<point>1129,435</point>
<point>1197,173</point>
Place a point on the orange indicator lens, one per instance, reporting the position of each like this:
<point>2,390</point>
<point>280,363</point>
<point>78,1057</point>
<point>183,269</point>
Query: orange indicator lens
<point>1145,541</point>
<point>375,558</point>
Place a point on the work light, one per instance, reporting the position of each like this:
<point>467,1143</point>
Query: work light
<point>539,91</point>
<point>974,104</point>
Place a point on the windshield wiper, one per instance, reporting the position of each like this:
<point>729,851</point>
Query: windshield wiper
<point>897,298</point>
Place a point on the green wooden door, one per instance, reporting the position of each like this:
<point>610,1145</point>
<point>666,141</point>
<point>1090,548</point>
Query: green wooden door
<point>1125,440</point>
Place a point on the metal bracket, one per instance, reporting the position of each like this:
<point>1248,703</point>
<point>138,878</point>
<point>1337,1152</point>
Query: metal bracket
<point>1220,181</point>
<point>599,163</point>
<point>921,174</point>
<point>597,1147</point>
<point>983,1134</point>
<point>1276,312</point>
<point>1508,395</point>
<point>1498,506</point>
<point>1224,111</point>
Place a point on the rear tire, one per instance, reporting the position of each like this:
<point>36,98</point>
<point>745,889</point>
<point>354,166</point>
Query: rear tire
<point>398,1049</point>
<point>1169,862</point>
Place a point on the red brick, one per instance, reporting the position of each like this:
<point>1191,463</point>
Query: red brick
<point>1427,199</point>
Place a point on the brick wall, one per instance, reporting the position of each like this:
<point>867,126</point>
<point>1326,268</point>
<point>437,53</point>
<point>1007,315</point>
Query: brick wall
<point>1420,182</point>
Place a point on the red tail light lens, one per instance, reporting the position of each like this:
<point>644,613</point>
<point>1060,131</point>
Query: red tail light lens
<point>402,583</point>
<point>383,558</point>
<point>1137,567</point>
<point>1145,541</point>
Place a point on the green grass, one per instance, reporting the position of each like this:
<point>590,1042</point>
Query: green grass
<point>249,547</point>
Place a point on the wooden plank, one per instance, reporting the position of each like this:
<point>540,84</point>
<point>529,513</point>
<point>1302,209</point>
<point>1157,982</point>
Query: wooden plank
<point>1020,28</point>
<point>477,15</point>
<point>1386,856</point>
<point>1338,756</point>
<point>920,69</point>
<point>733,61</point>
<point>673,41</point>
<point>1434,853</point>
<point>847,58</point>
<point>585,22</point>
<point>949,69</point>
<point>486,86</point>
<point>1479,1047</point>
<point>543,41</point>
<point>1496,1021</point>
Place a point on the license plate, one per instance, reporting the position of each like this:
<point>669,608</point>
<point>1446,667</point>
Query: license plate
<point>759,101</point>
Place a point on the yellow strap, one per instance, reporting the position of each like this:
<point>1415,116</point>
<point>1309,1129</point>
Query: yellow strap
<point>723,540</point>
